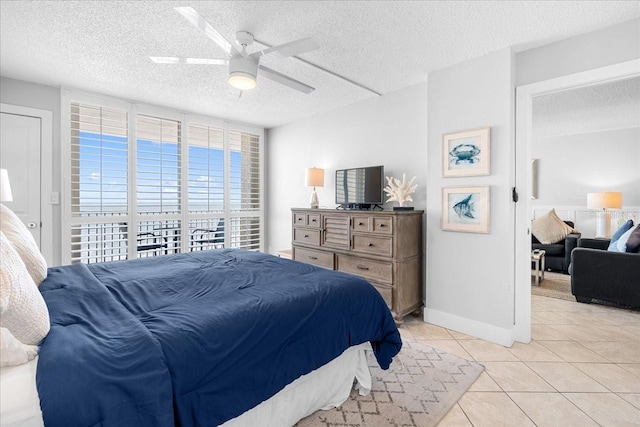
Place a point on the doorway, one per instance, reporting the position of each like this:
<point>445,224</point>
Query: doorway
<point>26,153</point>
<point>524,119</point>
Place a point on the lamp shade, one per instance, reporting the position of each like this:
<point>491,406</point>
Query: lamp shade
<point>5,187</point>
<point>315,177</point>
<point>604,200</point>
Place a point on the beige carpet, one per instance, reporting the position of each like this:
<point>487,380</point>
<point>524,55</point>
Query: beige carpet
<point>554,285</point>
<point>419,389</point>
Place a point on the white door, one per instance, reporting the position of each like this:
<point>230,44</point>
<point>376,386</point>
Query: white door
<point>20,144</point>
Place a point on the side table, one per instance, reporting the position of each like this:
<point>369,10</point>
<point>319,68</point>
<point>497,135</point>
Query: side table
<point>537,265</point>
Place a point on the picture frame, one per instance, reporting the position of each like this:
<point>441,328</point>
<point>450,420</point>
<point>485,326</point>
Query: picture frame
<point>466,209</point>
<point>466,153</point>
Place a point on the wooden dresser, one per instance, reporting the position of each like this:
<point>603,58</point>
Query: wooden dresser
<point>384,247</point>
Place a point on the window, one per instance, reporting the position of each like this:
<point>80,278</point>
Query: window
<point>153,184</point>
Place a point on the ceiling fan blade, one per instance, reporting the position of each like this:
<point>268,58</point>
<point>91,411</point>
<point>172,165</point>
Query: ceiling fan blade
<point>192,61</point>
<point>284,80</point>
<point>286,50</point>
<point>199,22</point>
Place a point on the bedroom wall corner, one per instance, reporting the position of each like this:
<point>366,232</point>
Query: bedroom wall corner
<point>389,130</point>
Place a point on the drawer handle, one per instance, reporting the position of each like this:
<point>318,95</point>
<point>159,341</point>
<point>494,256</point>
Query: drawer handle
<point>381,225</point>
<point>370,244</point>
<point>360,223</point>
<point>313,257</point>
<point>299,219</point>
<point>313,220</point>
<point>306,235</point>
<point>362,267</point>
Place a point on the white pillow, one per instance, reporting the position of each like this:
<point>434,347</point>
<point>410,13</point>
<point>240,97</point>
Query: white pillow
<point>549,228</point>
<point>22,308</point>
<point>24,243</point>
<point>13,352</point>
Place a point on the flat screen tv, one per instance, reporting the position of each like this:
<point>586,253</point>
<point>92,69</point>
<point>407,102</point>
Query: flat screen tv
<point>360,188</point>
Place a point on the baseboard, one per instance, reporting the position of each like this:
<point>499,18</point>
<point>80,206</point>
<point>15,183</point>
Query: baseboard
<point>470,327</point>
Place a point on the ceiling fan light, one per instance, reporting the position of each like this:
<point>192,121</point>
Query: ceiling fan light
<point>242,80</point>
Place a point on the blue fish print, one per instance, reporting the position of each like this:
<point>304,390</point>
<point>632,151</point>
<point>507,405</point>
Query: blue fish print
<point>465,207</point>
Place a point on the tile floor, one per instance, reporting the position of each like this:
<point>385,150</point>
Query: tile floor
<point>582,368</point>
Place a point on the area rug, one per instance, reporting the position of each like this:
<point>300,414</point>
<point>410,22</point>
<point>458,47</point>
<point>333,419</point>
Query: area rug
<point>418,390</point>
<point>554,285</point>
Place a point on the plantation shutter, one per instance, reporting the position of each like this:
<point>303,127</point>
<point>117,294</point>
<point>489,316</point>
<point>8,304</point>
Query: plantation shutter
<point>158,170</point>
<point>244,191</point>
<point>206,169</point>
<point>99,183</point>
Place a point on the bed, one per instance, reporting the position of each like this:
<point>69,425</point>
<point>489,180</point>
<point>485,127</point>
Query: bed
<point>222,337</point>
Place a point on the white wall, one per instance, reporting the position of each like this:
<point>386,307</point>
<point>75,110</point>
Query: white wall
<point>390,130</point>
<point>32,95</point>
<point>612,45</point>
<point>470,276</point>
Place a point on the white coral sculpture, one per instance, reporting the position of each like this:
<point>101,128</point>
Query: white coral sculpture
<point>400,191</point>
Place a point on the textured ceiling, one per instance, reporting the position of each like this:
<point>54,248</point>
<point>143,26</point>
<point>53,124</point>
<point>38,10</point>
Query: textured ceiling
<point>604,107</point>
<point>103,46</point>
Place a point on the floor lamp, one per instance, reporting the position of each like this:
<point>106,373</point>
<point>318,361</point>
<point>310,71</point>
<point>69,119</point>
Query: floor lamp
<point>603,201</point>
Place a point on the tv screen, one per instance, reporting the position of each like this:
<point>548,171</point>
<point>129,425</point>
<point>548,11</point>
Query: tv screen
<point>360,186</point>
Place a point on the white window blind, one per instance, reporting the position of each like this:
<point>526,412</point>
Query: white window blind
<point>159,185</point>
<point>206,168</point>
<point>158,170</point>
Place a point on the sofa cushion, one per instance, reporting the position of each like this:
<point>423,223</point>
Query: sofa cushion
<point>633,243</point>
<point>549,228</point>
<point>616,236</point>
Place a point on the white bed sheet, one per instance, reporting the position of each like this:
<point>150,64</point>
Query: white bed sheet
<point>327,387</point>
<point>19,402</point>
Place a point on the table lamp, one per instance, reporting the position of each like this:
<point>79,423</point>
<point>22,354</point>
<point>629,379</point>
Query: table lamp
<point>5,187</point>
<point>314,178</point>
<point>603,201</point>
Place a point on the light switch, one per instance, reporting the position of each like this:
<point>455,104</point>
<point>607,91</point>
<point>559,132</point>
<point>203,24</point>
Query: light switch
<point>54,199</point>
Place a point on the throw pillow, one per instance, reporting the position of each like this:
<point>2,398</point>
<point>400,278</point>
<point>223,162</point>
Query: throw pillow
<point>24,243</point>
<point>13,352</point>
<point>549,228</point>
<point>621,244</point>
<point>633,243</point>
<point>613,244</point>
<point>22,308</point>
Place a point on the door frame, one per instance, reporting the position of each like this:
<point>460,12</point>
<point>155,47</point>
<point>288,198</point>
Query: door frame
<point>46,172</point>
<point>524,121</point>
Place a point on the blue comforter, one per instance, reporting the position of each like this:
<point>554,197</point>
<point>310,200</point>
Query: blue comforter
<point>195,339</point>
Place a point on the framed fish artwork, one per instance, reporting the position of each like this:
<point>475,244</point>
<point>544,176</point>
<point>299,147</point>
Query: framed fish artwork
<point>466,153</point>
<point>466,209</point>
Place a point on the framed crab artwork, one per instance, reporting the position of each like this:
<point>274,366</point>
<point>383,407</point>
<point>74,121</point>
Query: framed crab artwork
<point>466,209</point>
<point>466,153</point>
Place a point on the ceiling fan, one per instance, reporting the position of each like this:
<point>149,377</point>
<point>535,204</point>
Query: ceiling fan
<point>243,66</point>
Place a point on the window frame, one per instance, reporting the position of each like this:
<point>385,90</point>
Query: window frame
<point>132,218</point>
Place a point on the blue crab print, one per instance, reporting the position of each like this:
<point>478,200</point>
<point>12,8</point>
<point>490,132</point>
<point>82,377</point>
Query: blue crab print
<point>465,153</point>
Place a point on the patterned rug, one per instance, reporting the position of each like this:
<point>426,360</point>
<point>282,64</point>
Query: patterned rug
<point>554,285</point>
<point>419,389</point>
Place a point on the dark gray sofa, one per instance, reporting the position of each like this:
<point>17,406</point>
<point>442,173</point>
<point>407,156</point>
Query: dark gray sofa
<point>602,275</point>
<point>558,255</point>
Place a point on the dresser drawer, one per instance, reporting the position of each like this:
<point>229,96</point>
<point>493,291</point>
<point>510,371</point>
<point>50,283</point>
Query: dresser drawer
<point>374,245</point>
<point>313,220</point>
<point>321,259</point>
<point>306,235</point>
<point>299,219</point>
<point>369,269</point>
<point>360,223</point>
<point>382,225</point>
